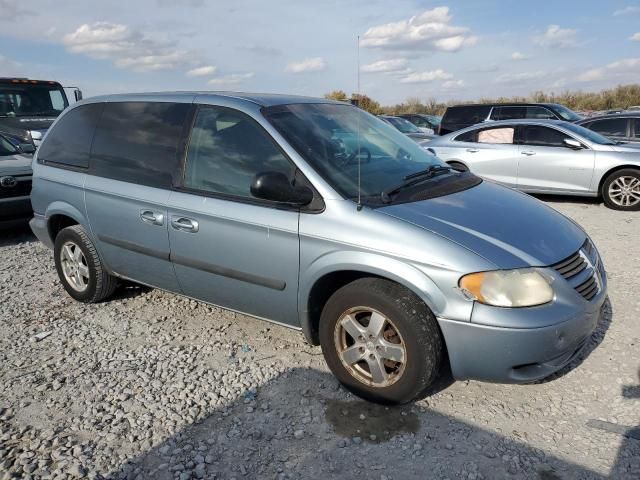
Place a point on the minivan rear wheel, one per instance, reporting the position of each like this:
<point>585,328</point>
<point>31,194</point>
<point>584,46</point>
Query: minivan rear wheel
<point>79,267</point>
<point>621,190</point>
<point>381,341</point>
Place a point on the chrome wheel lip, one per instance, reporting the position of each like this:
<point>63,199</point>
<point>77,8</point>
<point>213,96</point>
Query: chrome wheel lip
<point>370,351</point>
<point>74,266</point>
<point>624,191</point>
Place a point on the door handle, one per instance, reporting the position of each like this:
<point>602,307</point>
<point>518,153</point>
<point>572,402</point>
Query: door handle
<point>149,216</point>
<point>184,224</point>
<point>528,153</point>
<point>472,150</point>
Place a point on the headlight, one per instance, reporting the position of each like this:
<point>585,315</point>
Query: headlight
<point>508,288</point>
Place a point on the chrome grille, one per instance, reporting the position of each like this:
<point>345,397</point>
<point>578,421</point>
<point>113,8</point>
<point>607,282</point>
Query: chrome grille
<point>581,270</point>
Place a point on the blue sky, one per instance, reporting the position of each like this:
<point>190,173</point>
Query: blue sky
<point>448,50</point>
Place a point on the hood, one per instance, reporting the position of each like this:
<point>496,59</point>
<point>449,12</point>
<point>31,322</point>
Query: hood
<point>626,147</point>
<point>20,126</point>
<point>505,227</point>
<point>18,164</point>
<point>419,136</point>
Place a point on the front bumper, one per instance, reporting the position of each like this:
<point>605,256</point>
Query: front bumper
<point>520,355</point>
<point>15,208</point>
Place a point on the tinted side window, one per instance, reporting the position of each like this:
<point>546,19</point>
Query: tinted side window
<point>467,136</point>
<point>139,142</point>
<point>69,142</point>
<point>466,115</point>
<point>540,112</point>
<point>508,113</point>
<point>543,136</point>
<point>611,127</point>
<point>637,128</point>
<point>227,150</point>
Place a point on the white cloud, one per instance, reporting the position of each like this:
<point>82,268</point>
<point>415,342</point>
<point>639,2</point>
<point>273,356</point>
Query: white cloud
<point>556,37</point>
<point>519,56</point>
<point>202,71</point>
<point>452,84</point>
<point>430,30</point>
<point>314,64</point>
<point>394,65</point>
<point>519,77</point>
<point>626,66</point>
<point>231,79</point>
<point>630,10</point>
<point>635,37</point>
<point>424,77</point>
<point>125,47</point>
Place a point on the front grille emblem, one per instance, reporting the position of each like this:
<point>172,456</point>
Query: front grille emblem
<point>8,182</point>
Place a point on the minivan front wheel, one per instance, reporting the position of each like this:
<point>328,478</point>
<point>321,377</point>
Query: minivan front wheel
<point>621,190</point>
<point>79,267</point>
<point>381,341</point>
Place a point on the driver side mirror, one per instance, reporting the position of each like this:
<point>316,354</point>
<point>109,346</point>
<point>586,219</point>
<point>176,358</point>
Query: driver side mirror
<point>275,186</point>
<point>574,144</point>
<point>77,93</point>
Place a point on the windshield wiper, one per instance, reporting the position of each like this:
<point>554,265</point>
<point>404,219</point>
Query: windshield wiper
<point>413,179</point>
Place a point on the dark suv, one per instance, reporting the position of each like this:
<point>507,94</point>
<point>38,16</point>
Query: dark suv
<point>621,127</point>
<point>463,116</point>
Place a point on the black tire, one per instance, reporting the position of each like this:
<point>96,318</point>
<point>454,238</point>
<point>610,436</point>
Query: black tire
<point>460,167</point>
<point>100,283</point>
<point>620,175</point>
<point>415,323</point>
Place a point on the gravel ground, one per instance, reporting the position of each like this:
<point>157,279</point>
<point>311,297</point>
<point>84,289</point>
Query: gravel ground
<point>152,385</point>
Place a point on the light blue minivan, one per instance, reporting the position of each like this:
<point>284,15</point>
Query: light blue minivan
<point>373,248</point>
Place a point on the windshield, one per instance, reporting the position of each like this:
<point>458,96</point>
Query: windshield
<point>31,100</point>
<point>6,147</point>
<point>566,113</point>
<point>327,137</point>
<point>590,135</point>
<point>402,124</point>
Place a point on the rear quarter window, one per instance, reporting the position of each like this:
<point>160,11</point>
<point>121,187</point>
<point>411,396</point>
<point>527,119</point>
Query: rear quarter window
<point>140,142</point>
<point>466,115</point>
<point>68,144</point>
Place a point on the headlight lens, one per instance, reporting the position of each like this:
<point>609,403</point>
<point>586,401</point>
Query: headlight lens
<point>508,288</point>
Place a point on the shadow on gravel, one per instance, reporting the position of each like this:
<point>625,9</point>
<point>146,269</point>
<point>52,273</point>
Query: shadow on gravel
<point>567,199</point>
<point>323,432</point>
<point>597,337</point>
<point>15,233</point>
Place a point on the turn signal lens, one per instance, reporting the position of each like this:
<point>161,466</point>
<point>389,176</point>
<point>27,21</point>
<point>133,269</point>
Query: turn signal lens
<point>525,287</point>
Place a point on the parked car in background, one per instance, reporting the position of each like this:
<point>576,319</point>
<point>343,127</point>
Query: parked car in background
<point>406,127</point>
<point>15,182</point>
<point>547,156</point>
<point>388,262</point>
<point>461,116</point>
<point>29,107</point>
<point>427,123</point>
<point>621,127</point>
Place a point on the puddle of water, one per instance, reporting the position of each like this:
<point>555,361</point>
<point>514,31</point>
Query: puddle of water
<point>373,423</point>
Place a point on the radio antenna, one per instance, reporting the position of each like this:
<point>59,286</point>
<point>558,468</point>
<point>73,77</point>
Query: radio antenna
<point>358,119</point>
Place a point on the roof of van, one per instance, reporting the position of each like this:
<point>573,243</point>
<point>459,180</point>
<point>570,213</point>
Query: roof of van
<point>262,99</point>
<point>506,104</point>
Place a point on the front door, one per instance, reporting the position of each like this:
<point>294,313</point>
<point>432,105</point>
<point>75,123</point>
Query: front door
<point>547,165</point>
<point>228,247</point>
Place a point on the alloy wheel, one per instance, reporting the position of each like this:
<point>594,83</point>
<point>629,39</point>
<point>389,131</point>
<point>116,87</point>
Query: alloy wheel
<point>74,266</point>
<point>625,191</point>
<point>370,347</point>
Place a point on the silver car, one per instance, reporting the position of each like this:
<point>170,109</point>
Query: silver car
<point>547,156</point>
<point>320,217</point>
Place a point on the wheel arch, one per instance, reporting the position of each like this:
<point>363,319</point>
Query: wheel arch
<point>60,215</point>
<point>613,170</point>
<point>327,276</point>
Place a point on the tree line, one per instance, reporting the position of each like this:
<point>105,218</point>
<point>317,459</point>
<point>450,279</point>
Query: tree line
<point>620,97</point>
